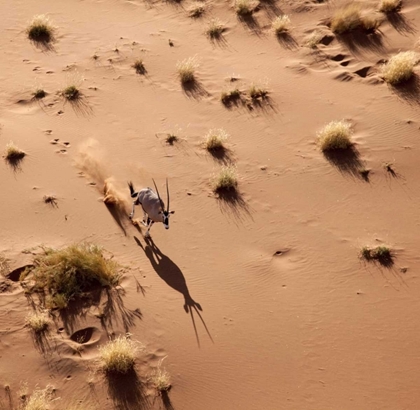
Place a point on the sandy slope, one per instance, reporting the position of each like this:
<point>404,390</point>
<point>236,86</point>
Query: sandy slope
<point>291,317</point>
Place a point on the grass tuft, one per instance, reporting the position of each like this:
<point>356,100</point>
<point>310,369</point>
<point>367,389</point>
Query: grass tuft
<point>257,92</point>
<point>39,399</point>
<point>226,180</point>
<point>186,69</point>
<point>171,139</point>
<point>68,273</point>
<point>38,321</point>
<point>390,6</point>
<point>39,94</point>
<point>161,379</point>
<point>346,19</point>
<point>400,67</point>
<point>381,254</point>
<point>228,97</point>
<point>280,25</point>
<point>71,93</point>
<point>335,135</point>
<point>215,139</point>
<point>139,67</point>
<point>40,29</point>
<point>196,10</point>
<point>215,29</point>
<point>313,39</point>
<point>13,153</point>
<point>118,355</point>
<point>244,8</point>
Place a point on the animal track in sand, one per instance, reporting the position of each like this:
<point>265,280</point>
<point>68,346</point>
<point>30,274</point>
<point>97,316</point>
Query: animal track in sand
<point>86,335</point>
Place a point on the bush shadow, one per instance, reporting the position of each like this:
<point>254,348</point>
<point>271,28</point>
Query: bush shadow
<point>359,40</point>
<point>232,202</point>
<point>287,41</point>
<point>127,391</point>
<point>222,155</point>
<point>251,23</point>
<point>409,90</point>
<point>194,89</point>
<point>347,161</point>
<point>271,8</point>
<point>400,23</point>
<point>80,105</point>
<point>15,162</point>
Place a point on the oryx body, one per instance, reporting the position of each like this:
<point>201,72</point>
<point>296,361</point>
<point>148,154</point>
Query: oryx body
<point>152,204</point>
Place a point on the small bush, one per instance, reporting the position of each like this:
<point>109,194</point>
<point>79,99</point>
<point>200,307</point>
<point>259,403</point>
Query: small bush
<point>400,67</point>
<point>139,67</point>
<point>197,10</point>
<point>227,97</point>
<point>71,93</point>
<point>381,254</point>
<point>226,180</point>
<point>215,139</point>
<point>118,355</point>
<point>215,29</point>
<point>70,272</point>
<point>161,379</point>
<point>281,24</point>
<point>244,8</point>
<point>335,135</point>
<point>313,39</point>
<point>390,6</point>
<point>186,69</point>
<point>257,92</point>
<point>13,153</point>
<point>40,29</point>
<point>346,19</point>
<point>39,94</point>
<point>171,139</point>
<point>39,399</point>
<point>38,321</point>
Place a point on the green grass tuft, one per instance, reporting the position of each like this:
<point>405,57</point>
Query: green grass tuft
<point>71,93</point>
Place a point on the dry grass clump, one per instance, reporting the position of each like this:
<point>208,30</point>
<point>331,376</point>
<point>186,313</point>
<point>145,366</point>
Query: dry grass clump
<point>335,135</point>
<point>228,97</point>
<point>38,321</point>
<point>171,138</point>
<point>40,29</point>
<point>13,153</point>
<point>39,94</point>
<point>346,19</point>
<point>313,39</point>
<point>215,29</point>
<point>71,93</point>
<point>139,66</point>
<point>197,10</point>
<point>4,265</point>
<point>400,67</point>
<point>186,69</point>
<point>281,24</point>
<point>215,139</point>
<point>257,92</point>
<point>70,272</point>
<point>390,6</point>
<point>244,8</point>
<point>381,254</point>
<point>226,180</point>
<point>39,399</point>
<point>161,379</point>
<point>118,355</point>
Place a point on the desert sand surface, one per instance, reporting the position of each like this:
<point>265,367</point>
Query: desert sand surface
<point>261,302</point>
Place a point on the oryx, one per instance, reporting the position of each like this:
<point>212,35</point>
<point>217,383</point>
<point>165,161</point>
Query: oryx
<point>152,204</point>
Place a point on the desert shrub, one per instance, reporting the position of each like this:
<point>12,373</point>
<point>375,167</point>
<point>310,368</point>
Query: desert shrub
<point>197,10</point>
<point>346,19</point>
<point>215,29</point>
<point>139,66</point>
<point>228,97</point>
<point>244,7</point>
<point>225,180</point>
<point>39,94</point>
<point>13,153</point>
<point>335,135</point>
<point>39,399</point>
<point>71,93</point>
<point>37,321</point>
<point>313,39</point>
<point>161,379</point>
<point>381,254</point>
<point>40,29</point>
<point>68,273</point>
<point>390,6</point>
<point>257,91</point>
<point>400,67</point>
<point>215,139</point>
<point>280,24</point>
<point>119,355</point>
<point>171,138</point>
<point>186,69</point>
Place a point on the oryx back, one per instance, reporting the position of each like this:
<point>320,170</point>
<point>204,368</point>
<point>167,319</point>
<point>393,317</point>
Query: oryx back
<point>151,204</point>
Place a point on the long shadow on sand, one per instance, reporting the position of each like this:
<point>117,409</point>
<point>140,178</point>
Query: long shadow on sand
<point>347,161</point>
<point>409,91</point>
<point>361,40</point>
<point>400,23</point>
<point>173,276</point>
<point>127,391</point>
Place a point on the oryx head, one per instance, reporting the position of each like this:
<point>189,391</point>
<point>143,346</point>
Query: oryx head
<point>166,213</point>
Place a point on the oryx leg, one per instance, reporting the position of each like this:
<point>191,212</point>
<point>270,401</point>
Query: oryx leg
<point>132,211</point>
<point>147,234</point>
<point>145,219</point>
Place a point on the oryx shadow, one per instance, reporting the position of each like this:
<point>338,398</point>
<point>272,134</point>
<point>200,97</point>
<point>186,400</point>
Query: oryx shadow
<point>170,272</point>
